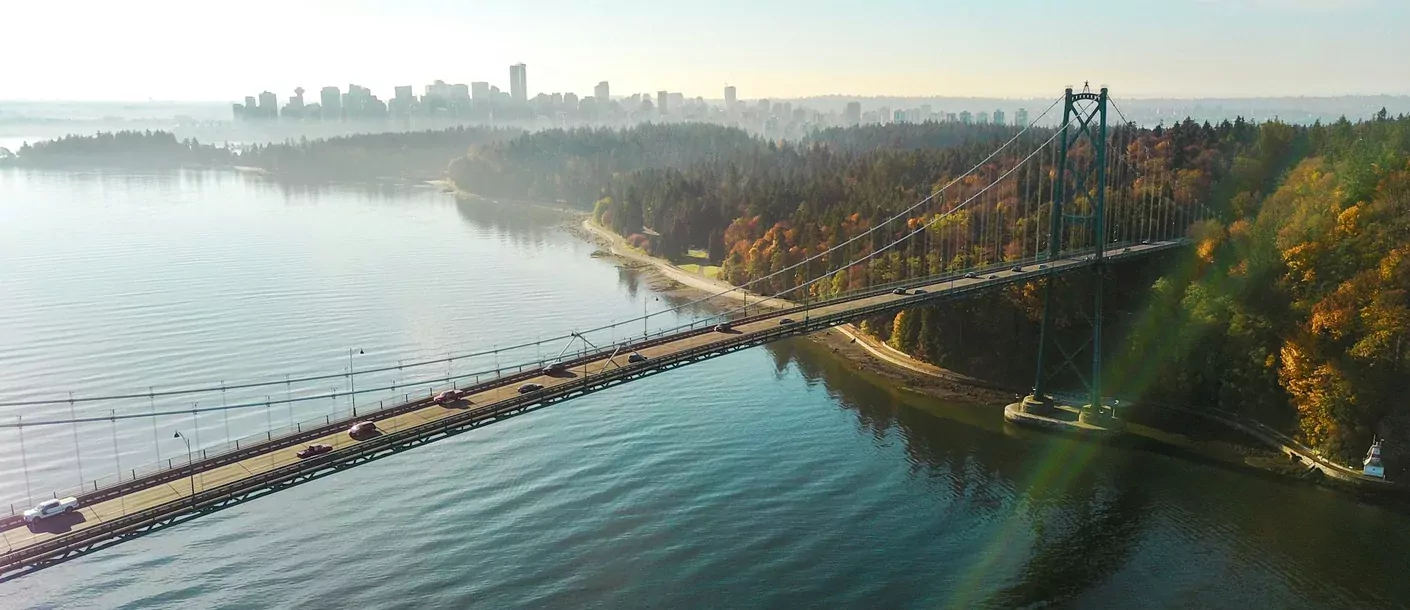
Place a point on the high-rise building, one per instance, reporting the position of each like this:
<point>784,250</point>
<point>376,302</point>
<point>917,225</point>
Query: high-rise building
<point>730,99</point>
<point>661,100</point>
<point>998,117</point>
<point>965,117</point>
<point>1020,118</point>
<point>519,83</point>
<point>269,105</point>
<point>983,118</point>
<point>295,108</point>
<point>602,92</point>
<point>854,113</point>
<point>480,91</point>
<point>331,101</point>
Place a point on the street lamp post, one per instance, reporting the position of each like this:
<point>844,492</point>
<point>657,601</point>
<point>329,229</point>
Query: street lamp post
<point>190,465</point>
<point>352,386</point>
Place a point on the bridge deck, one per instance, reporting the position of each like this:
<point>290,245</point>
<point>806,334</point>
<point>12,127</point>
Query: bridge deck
<point>86,526</point>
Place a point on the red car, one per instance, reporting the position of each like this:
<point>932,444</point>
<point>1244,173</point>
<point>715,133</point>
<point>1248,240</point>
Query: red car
<point>448,396</point>
<point>312,450</point>
<point>362,430</point>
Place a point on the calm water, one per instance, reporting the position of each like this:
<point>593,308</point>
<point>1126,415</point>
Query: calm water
<point>775,477</point>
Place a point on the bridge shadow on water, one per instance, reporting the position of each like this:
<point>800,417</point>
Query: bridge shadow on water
<point>1085,516</point>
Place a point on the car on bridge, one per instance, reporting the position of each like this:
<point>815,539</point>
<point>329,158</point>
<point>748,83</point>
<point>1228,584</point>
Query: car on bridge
<point>920,291</point>
<point>448,396</point>
<point>971,276</point>
<point>723,328</point>
<point>557,366</point>
<point>899,291</point>
<point>1017,269</point>
<point>634,358</point>
<point>362,430</point>
<point>1145,242</point>
<point>993,276</point>
<point>312,450</point>
<point>49,508</point>
<point>785,321</point>
<point>529,387</point>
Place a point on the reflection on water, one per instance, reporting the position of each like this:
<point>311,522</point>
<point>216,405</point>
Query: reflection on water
<point>772,477</point>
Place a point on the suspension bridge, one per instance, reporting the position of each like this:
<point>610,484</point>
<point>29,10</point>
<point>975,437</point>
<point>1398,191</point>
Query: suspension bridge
<point>1047,202</point>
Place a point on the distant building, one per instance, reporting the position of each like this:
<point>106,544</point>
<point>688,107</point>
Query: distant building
<point>966,118</point>
<point>1020,118</point>
<point>403,102</point>
<point>899,116</point>
<point>730,99</point>
<point>294,110</point>
<point>330,100</point>
<point>983,118</point>
<point>602,92</point>
<point>662,99</point>
<point>854,113</point>
<point>480,91</point>
<point>519,83</point>
<point>950,117</point>
<point>998,117</point>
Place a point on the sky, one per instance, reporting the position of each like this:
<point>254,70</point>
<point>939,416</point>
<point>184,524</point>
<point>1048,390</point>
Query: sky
<point>192,50</point>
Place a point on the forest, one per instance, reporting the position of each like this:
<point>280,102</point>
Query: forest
<point>1291,307</point>
<point>414,155</point>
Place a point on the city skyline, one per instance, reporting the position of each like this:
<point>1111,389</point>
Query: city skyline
<point>1227,48</point>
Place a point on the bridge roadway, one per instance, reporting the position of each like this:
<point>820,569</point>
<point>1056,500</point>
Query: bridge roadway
<point>164,498</point>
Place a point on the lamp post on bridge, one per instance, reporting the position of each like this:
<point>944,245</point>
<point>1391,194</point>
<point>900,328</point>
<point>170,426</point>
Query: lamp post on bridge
<point>352,385</point>
<point>191,466</point>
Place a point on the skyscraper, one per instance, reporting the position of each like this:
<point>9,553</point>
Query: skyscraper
<point>519,83</point>
<point>854,113</point>
<point>730,99</point>
<point>602,92</point>
<point>1020,118</point>
<point>661,97</point>
<point>331,101</point>
<point>480,91</point>
<point>998,117</point>
<point>269,105</point>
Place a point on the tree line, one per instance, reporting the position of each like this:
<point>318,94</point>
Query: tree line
<point>413,154</point>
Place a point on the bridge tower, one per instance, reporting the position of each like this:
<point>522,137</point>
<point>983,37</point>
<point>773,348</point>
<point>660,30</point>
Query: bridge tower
<point>1079,199</point>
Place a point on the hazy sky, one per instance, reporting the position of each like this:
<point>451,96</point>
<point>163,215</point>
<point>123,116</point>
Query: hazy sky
<point>205,50</point>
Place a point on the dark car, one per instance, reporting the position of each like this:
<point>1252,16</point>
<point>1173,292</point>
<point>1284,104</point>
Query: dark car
<point>636,358</point>
<point>1145,242</point>
<point>557,366</point>
<point>362,430</point>
<point>448,396</point>
<point>1042,266</point>
<point>1125,250</point>
<point>899,291</point>
<point>920,291</point>
<point>722,328</point>
<point>1017,269</point>
<point>312,450</point>
<point>785,321</point>
<point>529,387</point>
<point>971,276</point>
<point>993,276</point>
